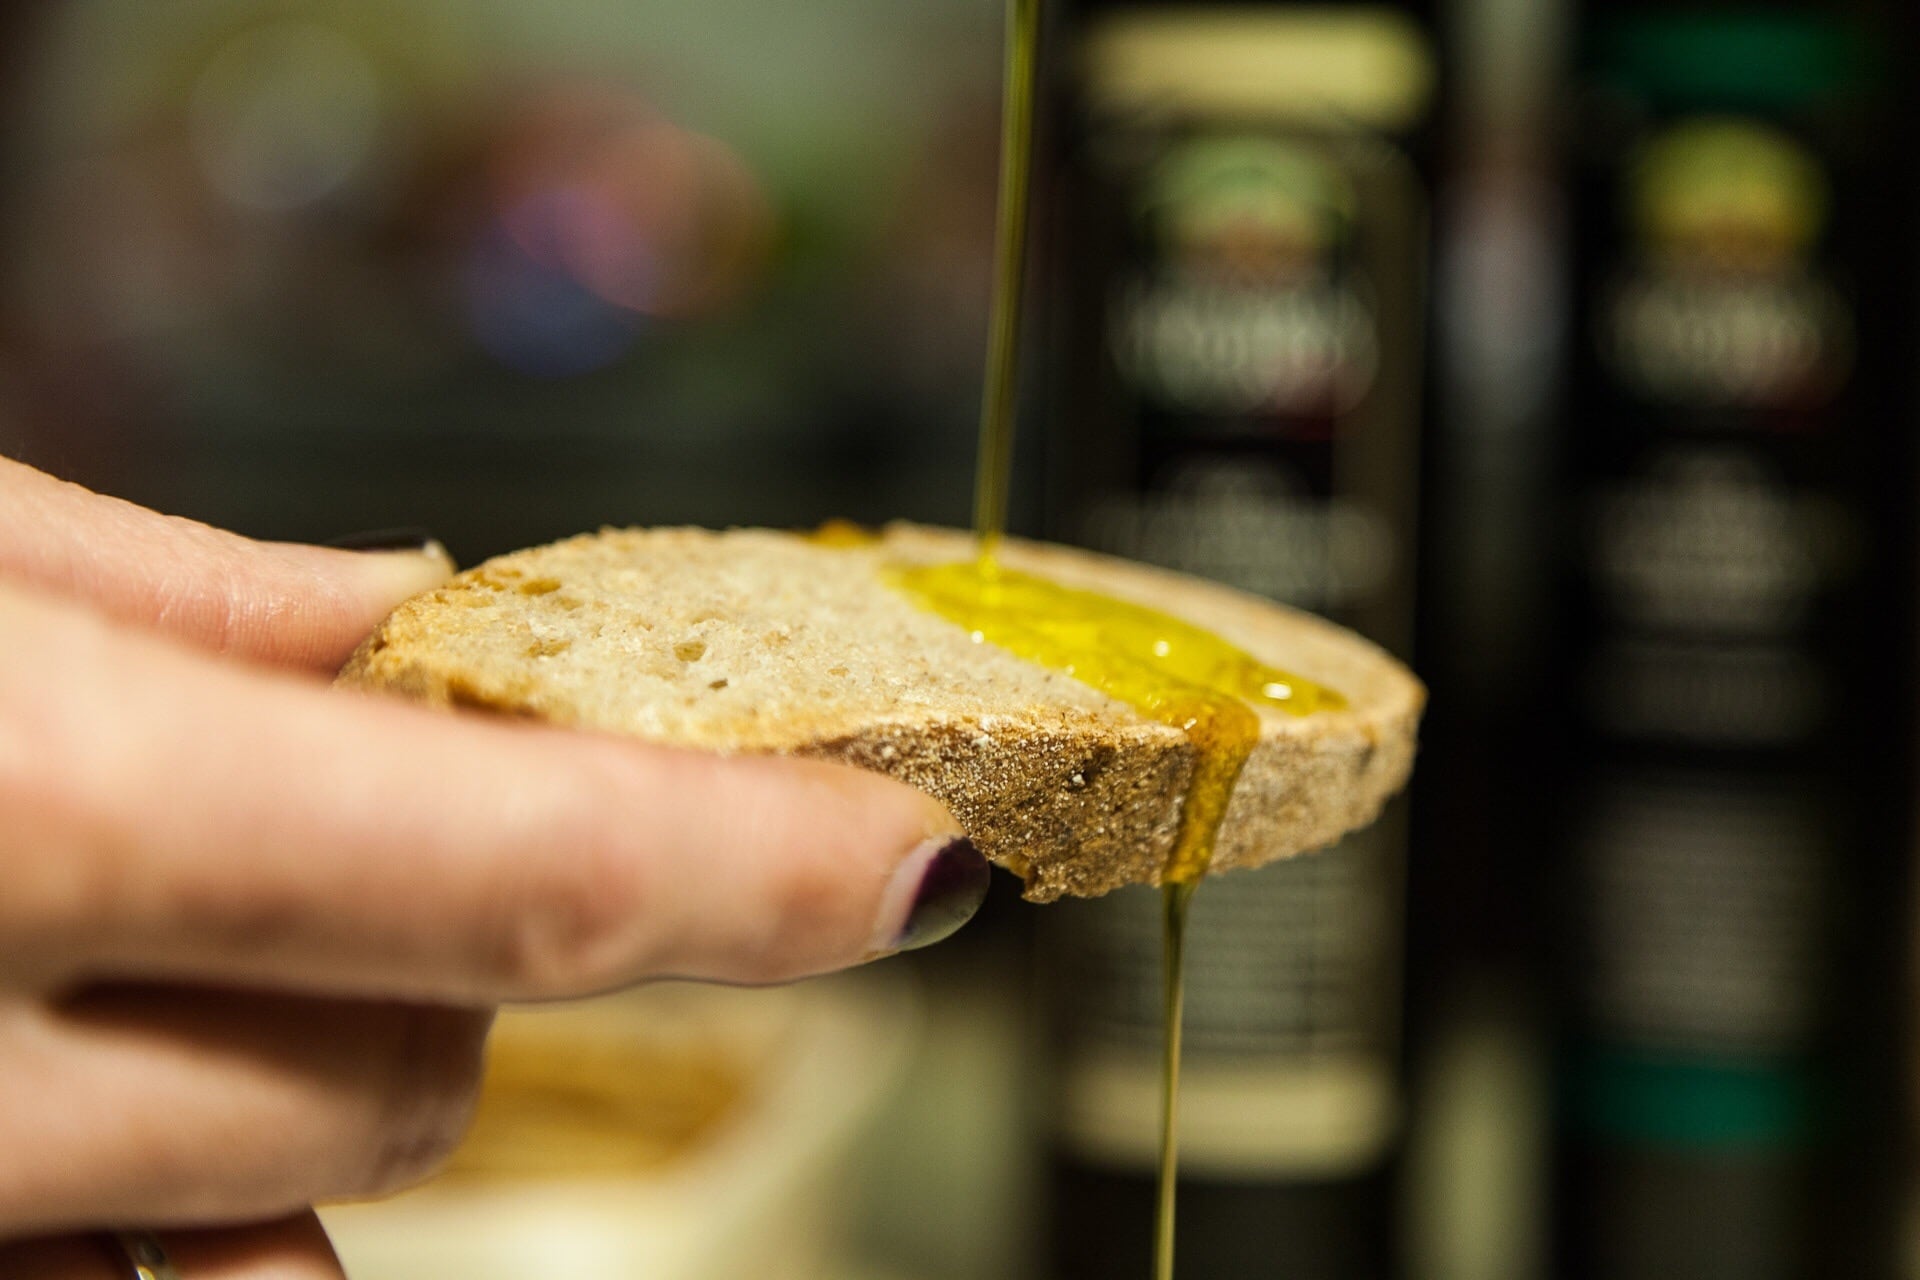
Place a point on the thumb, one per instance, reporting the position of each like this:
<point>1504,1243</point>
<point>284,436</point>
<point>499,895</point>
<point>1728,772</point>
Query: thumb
<point>266,602</point>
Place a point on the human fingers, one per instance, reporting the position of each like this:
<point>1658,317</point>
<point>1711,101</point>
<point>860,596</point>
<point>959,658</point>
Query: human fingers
<point>174,1108</point>
<point>171,817</point>
<point>294,1248</point>
<point>268,602</point>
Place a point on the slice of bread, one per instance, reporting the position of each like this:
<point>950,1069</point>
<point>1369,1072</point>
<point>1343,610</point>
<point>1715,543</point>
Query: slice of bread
<point>755,641</point>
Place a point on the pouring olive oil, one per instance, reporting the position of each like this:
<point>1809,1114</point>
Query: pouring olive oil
<point>1220,724</point>
<point>994,476</point>
<point>1171,671</point>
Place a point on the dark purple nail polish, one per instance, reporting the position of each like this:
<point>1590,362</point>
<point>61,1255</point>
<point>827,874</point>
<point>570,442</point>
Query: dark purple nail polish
<point>384,540</point>
<point>954,886</point>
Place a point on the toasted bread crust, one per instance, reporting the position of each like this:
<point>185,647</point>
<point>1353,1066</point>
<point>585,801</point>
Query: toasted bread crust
<point>760,642</point>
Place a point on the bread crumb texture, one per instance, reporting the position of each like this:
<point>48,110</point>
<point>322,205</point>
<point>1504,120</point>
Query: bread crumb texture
<point>753,641</point>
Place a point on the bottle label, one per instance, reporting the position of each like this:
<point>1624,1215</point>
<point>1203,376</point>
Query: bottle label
<point>1245,313</point>
<point>1262,438</point>
<point>1716,534</point>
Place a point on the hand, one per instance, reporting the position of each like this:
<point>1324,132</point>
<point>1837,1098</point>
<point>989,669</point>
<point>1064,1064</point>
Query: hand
<point>251,929</point>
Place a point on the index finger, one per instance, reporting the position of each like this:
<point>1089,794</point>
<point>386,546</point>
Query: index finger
<point>169,816</point>
<point>277,603</point>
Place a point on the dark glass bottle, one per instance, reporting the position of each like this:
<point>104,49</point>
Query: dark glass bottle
<point>1734,680</point>
<point>1235,391</point>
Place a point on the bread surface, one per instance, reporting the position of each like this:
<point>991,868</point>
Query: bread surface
<point>753,641</point>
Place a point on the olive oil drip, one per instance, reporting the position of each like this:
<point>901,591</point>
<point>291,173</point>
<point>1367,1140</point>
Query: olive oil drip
<point>1170,671</point>
<point>1175,899</point>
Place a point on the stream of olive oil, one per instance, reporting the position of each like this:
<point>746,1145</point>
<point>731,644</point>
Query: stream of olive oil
<point>994,476</point>
<point>992,484</point>
<point>1169,670</point>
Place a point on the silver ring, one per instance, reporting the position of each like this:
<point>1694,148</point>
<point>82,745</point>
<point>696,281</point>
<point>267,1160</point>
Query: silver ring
<point>144,1251</point>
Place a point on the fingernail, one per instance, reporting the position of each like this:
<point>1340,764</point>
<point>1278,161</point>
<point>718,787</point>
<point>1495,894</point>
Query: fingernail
<point>944,881</point>
<point>387,540</point>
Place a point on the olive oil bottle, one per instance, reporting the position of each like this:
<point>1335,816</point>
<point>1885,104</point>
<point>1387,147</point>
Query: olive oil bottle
<point>1731,830</point>
<point>1234,386</point>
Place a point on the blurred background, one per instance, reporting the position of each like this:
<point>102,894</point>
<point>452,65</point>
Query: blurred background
<point>1567,347</point>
